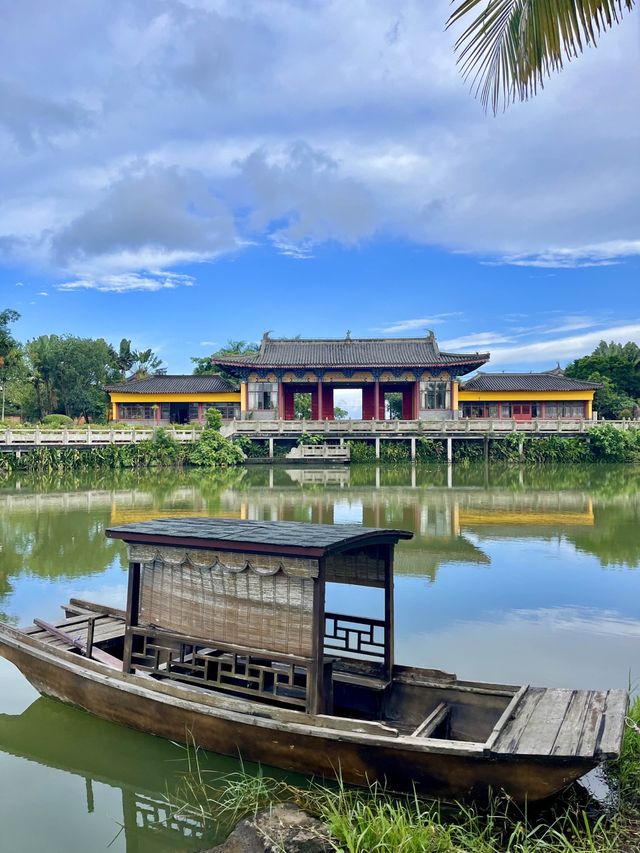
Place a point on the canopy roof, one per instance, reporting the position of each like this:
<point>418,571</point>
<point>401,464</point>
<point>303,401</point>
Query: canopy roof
<point>267,537</point>
<point>352,353</point>
<point>551,380</point>
<point>175,384</point>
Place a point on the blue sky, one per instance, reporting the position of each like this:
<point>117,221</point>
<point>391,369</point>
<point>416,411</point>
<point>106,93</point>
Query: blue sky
<point>181,173</point>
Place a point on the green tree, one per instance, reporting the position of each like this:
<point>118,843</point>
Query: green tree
<point>10,354</point>
<point>511,46</point>
<point>617,367</point>
<point>204,366</point>
<point>135,364</point>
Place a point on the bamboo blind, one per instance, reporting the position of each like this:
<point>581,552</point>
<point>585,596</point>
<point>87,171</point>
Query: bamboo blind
<point>363,568</point>
<point>263,602</point>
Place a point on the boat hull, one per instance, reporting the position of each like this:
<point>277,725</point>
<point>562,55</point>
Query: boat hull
<point>248,730</point>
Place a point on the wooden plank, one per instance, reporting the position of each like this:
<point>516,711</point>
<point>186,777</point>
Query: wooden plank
<point>96,653</point>
<point>612,731</point>
<point>593,720</point>
<point>568,738</point>
<point>544,724</point>
<point>508,741</point>
<point>98,608</point>
<point>507,715</point>
<point>431,723</point>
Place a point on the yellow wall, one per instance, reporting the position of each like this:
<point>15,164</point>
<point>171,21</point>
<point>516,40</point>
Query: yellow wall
<point>507,396</point>
<point>226,397</point>
<point>455,391</point>
<point>244,397</point>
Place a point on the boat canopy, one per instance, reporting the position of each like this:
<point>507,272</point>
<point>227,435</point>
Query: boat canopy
<point>217,589</point>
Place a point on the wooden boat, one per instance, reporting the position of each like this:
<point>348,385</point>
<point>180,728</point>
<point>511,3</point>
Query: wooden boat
<point>226,640</point>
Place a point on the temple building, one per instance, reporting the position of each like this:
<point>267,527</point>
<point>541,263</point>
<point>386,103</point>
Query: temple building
<point>426,384</point>
<point>524,396</point>
<point>163,400</point>
<point>415,368</point>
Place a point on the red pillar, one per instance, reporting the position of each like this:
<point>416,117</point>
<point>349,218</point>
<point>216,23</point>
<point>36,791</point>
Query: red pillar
<point>327,402</point>
<point>416,401</point>
<point>407,403</point>
<point>281,405</point>
<point>288,403</point>
<point>320,412</point>
<point>314,402</point>
<point>368,409</point>
<point>200,413</point>
<point>376,400</point>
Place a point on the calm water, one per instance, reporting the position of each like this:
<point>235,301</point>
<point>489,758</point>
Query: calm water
<point>515,575</point>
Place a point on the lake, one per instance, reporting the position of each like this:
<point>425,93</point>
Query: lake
<point>520,575</point>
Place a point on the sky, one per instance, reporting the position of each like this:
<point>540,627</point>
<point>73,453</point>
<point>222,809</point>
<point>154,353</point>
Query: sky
<point>184,173</point>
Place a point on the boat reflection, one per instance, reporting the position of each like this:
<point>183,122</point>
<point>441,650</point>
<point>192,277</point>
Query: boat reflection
<point>142,768</point>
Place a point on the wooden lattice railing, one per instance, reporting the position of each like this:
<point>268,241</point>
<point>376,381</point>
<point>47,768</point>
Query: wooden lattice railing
<point>261,675</point>
<point>354,636</point>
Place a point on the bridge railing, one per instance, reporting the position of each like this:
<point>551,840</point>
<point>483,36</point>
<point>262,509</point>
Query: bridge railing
<point>86,436</point>
<point>83,437</point>
<point>446,428</point>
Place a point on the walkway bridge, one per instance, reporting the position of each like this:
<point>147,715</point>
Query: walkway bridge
<point>333,432</point>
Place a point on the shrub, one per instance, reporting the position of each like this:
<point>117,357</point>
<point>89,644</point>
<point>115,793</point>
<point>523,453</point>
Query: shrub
<point>57,421</point>
<point>362,452</point>
<point>213,450</point>
<point>213,419</point>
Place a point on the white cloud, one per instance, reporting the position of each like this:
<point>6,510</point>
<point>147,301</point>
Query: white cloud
<point>599,255</point>
<point>563,349</point>
<point>42,293</point>
<point>421,323</point>
<point>153,135</point>
<point>208,343</point>
<point>481,339</point>
<point>19,284</point>
<point>127,282</point>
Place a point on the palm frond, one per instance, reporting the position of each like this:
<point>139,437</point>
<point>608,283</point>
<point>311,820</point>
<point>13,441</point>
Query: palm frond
<point>511,46</point>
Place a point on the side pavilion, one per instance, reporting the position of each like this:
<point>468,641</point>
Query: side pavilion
<point>426,378</point>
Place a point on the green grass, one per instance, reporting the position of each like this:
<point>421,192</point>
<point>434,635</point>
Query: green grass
<point>375,821</point>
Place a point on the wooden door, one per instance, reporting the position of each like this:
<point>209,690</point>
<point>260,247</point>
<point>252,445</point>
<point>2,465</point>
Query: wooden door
<point>521,411</point>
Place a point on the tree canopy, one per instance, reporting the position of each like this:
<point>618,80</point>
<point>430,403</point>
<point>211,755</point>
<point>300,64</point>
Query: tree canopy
<point>510,47</point>
<point>617,367</point>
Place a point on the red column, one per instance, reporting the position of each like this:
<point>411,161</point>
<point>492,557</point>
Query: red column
<point>200,413</point>
<point>416,401</point>
<point>407,403</point>
<point>320,412</point>
<point>288,407</point>
<point>376,400</point>
<point>281,404</point>
<point>327,402</point>
<point>314,402</point>
<point>368,410</point>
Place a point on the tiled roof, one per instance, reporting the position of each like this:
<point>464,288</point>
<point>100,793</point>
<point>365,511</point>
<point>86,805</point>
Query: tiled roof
<point>352,352</point>
<point>186,384</point>
<point>271,534</point>
<point>552,380</point>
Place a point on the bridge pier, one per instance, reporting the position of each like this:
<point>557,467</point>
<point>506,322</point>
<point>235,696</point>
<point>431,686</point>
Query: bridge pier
<point>449,451</point>
<point>413,450</point>
<point>377,443</point>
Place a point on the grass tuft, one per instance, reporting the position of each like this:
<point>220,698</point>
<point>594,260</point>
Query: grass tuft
<point>375,821</point>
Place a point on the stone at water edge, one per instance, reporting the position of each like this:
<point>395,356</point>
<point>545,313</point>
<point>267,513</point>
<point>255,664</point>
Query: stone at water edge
<point>284,828</point>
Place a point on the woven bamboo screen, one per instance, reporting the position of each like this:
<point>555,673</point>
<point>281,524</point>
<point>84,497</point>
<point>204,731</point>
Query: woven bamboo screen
<point>241,599</point>
<point>365,567</point>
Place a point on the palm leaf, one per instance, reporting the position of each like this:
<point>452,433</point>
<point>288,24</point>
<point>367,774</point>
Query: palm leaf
<point>511,46</point>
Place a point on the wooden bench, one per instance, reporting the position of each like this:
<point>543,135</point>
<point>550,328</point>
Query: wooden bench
<point>436,718</point>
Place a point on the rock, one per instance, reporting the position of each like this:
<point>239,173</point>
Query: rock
<point>284,828</point>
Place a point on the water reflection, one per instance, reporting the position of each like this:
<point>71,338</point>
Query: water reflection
<point>514,574</point>
<point>100,755</point>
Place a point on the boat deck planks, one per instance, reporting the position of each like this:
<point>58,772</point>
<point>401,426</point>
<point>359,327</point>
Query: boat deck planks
<point>106,628</point>
<point>556,722</point>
